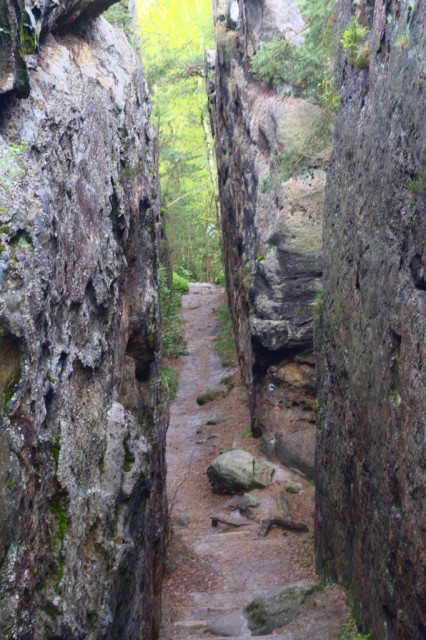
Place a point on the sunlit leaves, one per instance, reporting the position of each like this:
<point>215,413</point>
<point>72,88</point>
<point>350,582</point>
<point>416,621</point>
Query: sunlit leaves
<point>174,35</point>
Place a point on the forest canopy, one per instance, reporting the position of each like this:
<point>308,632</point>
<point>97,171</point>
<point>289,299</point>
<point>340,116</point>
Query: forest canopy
<point>174,35</point>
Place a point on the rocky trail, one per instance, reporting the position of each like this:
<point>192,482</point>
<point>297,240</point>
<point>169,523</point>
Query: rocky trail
<point>214,571</point>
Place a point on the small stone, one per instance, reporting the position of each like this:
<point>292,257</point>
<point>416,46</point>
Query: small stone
<point>214,393</point>
<point>248,502</point>
<point>291,488</point>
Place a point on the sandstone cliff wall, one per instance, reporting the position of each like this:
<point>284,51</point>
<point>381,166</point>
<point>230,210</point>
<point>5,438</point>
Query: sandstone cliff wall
<point>272,230</point>
<point>81,425</point>
<point>371,455</point>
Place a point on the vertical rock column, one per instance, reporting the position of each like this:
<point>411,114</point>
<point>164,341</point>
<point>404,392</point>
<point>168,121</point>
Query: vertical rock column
<point>371,454</point>
<point>272,230</point>
<point>82,430</point>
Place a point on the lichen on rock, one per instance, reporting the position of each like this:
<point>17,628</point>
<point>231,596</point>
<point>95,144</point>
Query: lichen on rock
<point>83,428</point>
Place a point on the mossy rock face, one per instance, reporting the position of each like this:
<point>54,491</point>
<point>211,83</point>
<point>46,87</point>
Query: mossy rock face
<point>17,39</point>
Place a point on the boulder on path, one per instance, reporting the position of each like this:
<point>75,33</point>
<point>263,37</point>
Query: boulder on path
<point>278,607</point>
<point>214,393</point>
<point>237,470</point>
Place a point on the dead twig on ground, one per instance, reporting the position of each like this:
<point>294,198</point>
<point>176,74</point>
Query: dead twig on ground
<point>284,523</point>
<point>215,521</point>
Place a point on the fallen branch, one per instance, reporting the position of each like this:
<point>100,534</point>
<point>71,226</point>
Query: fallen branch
<point>285,523</point>
<point>215,521</point>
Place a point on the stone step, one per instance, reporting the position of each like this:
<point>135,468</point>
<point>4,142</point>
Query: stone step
<point>197,631</point>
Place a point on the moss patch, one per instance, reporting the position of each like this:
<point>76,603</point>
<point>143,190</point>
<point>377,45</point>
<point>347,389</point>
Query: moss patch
<point>56,450</point>
<point>28,40</point>
<point>129,458</point>
<point>59,510</point>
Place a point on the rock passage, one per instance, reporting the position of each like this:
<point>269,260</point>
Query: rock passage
<point>214,572</point>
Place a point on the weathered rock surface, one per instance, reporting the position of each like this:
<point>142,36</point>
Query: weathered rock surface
<point>82,431</point>
<point>24,24</point>
<point>371,455</point>
<point>237,470</point>
<point>272,230</point>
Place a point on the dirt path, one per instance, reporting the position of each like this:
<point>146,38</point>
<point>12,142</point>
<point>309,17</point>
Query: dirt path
<point>213,570</point>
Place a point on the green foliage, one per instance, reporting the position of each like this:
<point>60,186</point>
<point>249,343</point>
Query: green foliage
<point>173,326</point>
<point>171,291</point>
<point>10,167</point>
<point>289,161</point>
<point>319,136</point>
<point>350,632</point>
<point>354,43</point>
<point>24,242</point>
<point>59,510</point>
<point>256,613</point>
<point>303,66</point>
<point>119,15</point>
<point>174,36</point>
<point>129,458</point>
<point>267,183</point>
<point>417,184</point>
<point>307,68</point>
<point>246,433</point>
<point>56,450</point>
<point>220,278</point>
<point>225,341</point>
<point>180,284</point>
<point>170,379</point>
<point>318,303</point>
<point>270,64</point>
<point>28,40</point>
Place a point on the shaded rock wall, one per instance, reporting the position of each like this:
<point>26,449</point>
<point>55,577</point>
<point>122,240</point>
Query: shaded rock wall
<point>272,231</point>
<point>82,429</point>
<point>371,455</point>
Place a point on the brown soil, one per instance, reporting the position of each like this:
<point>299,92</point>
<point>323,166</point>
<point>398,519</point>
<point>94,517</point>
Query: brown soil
<point>213,570</point>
